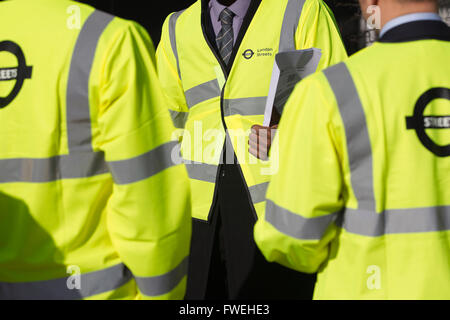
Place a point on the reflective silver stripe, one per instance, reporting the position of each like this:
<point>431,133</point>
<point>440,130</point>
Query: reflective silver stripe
<point>143,166</point>
<point>258,192</point>
<point>357,135</point>
<point>290,23</point>
<point>179,118</point>
<point>81,161</point>
<point>172,36</point>
<point>159,285</point>
<point>360,221</point>
<point>78,111</point>
<point>202,92</point>
<point>396,221</point>
<point>78,165</point>
<point>245,106</point>
<point>202,171</point>
<point>295,225</point>
<point>91,284</point>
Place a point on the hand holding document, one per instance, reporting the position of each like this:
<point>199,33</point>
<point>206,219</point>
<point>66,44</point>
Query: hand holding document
<point>260,140</point>
<point>289,68</point>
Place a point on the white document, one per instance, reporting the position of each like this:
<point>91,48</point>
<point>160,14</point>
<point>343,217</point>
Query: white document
<point>289,68</point>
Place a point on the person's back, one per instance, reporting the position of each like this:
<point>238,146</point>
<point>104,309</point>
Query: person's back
<point>363,191</point>
<point>403,252</point>
<point>87,184</point>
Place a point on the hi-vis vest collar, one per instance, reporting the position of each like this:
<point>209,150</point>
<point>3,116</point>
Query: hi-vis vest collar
<point>229,98</point>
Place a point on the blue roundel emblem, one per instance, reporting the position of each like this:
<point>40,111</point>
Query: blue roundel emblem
<point>248,54</point>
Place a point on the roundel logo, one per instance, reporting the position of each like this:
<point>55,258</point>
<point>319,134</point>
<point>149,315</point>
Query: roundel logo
<point>248,54</point>
<point>18,74</point>
<point>421,123</point>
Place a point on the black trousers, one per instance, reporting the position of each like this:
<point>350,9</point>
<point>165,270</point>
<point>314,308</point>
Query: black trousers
<point>225,262</point>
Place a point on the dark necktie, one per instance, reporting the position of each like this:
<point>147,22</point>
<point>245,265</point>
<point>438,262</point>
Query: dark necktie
<point>225,38</point>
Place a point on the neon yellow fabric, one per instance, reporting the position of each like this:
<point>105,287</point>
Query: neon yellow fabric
<point>90,222</point>
<point>315,180</point>
<point>188,62</point>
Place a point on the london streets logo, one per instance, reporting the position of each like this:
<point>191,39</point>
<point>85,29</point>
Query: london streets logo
<point>19,73</point>
<point>263,52</point>
<point>420,123</point>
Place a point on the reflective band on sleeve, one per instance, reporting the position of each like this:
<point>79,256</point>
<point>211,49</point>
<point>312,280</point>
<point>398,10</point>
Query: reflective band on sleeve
<point>78,165</point>
<point>90,284</point>
<point>258,192</point>
<point>245,106</point>
<point>143,166</point>
<point>290,23</point>
<point>295,225</point>
<point>356,132</point>
<point>179,118</point>
<point>172,36</point>
<point>202,92</point>
<point>78,112</point>
<point>396,221</point>
<point>163,284</point>
<point>202,171</point>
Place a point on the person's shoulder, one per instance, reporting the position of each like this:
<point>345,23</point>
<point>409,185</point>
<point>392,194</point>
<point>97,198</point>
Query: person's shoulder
<point>367,59</point>
<point>360,59</point>
<point>119,26</point>
<point>313,10</point>
<point>314,5</point>
<point>54,10</point>
<point>185,17</point>
<point>323,83</point>
<point>319,82</point>
<point>315,86</point>
<point>192,9</point>
<point>124,36</point>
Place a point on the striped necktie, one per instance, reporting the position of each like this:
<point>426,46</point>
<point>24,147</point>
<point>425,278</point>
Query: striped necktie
<point>225,38</point>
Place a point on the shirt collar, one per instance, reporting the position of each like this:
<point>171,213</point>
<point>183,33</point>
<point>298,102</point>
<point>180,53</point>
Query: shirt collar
<point>239,8</point>
<point>409,18</point>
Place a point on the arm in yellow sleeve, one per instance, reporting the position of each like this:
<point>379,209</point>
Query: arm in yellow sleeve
<point>317,28</point>
<point>148,215</point>
<point>168,73</point>
<point>304,196</point>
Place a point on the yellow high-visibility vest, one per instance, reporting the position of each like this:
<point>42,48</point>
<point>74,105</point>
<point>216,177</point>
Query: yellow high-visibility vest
<point>210,102</point>
<point>91,204</point>
<point>363,191</point>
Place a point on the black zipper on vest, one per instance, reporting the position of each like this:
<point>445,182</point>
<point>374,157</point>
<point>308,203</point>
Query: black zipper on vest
<point>226,71</point>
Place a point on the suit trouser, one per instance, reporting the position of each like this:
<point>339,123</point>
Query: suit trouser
<point>225,262</point>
